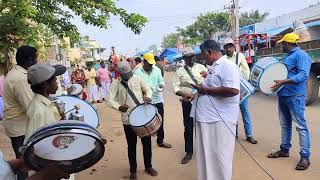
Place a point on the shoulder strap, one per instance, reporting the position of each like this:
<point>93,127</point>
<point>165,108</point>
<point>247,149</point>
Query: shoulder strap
<point>134,98</point>
<point>190,74</point>
<point>237,59</point>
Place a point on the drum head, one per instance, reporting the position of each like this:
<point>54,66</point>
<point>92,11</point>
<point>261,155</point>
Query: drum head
<point>90,114</point>
<point>142,114</point>
<point>276,71</point>
<point>77,89</point>
<point>72,145</point>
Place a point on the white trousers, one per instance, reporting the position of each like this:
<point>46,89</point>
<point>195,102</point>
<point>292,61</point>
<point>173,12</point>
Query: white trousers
<point>104,89</point>
<point>93,93</point>
<point>214,150</point>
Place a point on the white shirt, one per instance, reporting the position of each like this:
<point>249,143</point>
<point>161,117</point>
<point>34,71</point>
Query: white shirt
<point>251,52</point>
<point>208,109</point>
<point>6,172</point>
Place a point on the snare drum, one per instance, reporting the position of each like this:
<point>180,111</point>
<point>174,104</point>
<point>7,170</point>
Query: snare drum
<point>90,114</point>
<point>246,89</point>
<point>145,120</point>
<point>265,72</point>
<point>78,89</point>
<point>73,145</point>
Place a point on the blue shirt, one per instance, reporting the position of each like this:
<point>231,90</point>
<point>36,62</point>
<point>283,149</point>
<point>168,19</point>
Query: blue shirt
<point>154,79</point>
<point>298,63</point>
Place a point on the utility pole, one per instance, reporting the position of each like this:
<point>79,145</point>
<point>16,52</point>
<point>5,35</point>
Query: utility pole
<point>237,22</point>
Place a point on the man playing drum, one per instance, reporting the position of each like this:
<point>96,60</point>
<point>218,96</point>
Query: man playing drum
<point>121,100</point>
<point>153,77</point>
<point>240,60</point>
<point>17,96</point>
<point>292,100</point>
<point>42,110</point>
<point>191,73</point>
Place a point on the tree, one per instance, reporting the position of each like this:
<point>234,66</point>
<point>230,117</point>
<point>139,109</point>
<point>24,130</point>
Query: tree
<point>204,27</point>
<point>248,18</point>
<point>170,40</point>
<point>20,20</point>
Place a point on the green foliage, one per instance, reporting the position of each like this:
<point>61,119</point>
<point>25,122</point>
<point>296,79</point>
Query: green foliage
<point>170,40</point>
<point>27,21</point>
<point>204,27</point>
<point>248,18</point>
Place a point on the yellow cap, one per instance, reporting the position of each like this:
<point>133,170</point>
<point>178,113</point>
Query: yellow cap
<point>290,38</point>
<point>149,57</point>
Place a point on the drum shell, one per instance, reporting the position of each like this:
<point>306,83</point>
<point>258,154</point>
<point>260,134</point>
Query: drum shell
<point>69,166</point>
<point>149,127</point>
<point>246,89</point>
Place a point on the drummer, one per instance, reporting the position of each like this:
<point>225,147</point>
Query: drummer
<point>153,77</point>
<point>120,100</point>
<point>182,77</point>
<point>239,59</point>
<point>292,100</point>
<point>42,110</point>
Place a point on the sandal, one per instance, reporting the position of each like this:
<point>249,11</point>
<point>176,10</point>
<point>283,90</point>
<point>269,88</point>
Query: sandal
<point>165,145</point>
<point>278,154</point>
<point>303,164</point>
<point>152,172</point>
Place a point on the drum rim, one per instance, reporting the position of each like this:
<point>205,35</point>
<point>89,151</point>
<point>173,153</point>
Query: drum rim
<point>75,125</point>
<point>88,104</point>
<point>149,120</point>
<point>93,160</point>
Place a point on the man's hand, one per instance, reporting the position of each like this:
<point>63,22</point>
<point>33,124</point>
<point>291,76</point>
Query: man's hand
<point>187,97</point>
<point>200,88</point>
<point>277,85</point>
<point>19,165</point>
<point>50,173</point>
<point>204,74</point>
<point>71,89</point>
<point>146,99</point>
<point>124,108</point>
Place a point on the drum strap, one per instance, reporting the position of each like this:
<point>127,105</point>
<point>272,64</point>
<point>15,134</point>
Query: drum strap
<point>134,98</point>
<point>237,59</point>
<point>190,74</point>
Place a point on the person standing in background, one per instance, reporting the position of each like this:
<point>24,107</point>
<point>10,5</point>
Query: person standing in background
<point>17,96</point>
<point>152,76</point>
<point>105,80</point>
<point>239,59</point>
<point>137,64</point>
<point>1,94</point>
<point>191,73</point>
<point>93,93</point>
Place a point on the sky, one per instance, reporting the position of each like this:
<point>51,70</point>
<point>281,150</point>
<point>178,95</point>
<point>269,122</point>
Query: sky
<point>165,15</point>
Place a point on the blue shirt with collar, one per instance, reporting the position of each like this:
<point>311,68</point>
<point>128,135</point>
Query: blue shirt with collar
<point>298,63</point>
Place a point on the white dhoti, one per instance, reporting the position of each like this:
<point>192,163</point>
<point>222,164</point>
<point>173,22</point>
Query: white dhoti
<point>214,150</point>
<point>93,93</point>
<point>104,89</point>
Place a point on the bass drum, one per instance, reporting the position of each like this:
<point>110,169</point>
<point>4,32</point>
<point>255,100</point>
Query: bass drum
<point>73,145</point>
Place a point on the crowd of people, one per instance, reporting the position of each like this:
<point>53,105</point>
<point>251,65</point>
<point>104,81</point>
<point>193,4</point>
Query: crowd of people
<point>209,96</point>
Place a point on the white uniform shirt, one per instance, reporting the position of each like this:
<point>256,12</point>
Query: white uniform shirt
<point>5,170</point>
<point>208,108</point>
